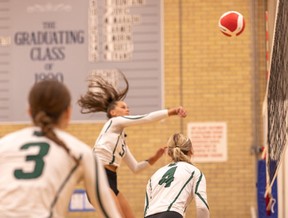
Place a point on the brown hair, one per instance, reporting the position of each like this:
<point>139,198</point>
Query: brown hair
<point>48,99</point>
<point>179,147</point>
<point>101,95</point>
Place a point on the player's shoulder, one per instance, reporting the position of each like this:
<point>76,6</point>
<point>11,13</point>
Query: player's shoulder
<point>191,167</point>
<point>16,134</point>
<point>12,139</point>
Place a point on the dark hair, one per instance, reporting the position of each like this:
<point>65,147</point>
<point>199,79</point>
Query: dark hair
<point>178,147</point>
<point>48,99</point>
<point>102,96</point>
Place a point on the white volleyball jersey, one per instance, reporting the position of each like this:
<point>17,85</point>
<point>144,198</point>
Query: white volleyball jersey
<point>172,188</point>
<point>110,146</point>
<point>38,176</point>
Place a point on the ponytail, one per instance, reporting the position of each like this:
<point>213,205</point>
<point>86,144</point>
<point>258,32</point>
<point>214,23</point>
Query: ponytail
<point>48,100</point>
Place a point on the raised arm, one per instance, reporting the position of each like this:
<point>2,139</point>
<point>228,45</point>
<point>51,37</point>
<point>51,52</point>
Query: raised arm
<point>180,111</point>
<point>125,121</point>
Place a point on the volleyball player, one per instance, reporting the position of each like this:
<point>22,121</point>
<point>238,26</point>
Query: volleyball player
<point>110,145</point>
<point>41,165</point>
<point>172,187</point>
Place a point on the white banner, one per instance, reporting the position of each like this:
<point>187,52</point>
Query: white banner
<point>68,40</point>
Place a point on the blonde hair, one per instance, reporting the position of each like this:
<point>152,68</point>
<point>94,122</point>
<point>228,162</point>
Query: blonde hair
<point>179,147</point>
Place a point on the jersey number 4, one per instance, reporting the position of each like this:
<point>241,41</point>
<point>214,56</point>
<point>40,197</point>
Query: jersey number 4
<point>168,177</point>
<point>37,158</point>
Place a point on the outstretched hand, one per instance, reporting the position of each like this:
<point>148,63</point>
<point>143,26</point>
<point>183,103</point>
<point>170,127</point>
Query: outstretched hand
<point>180,111</point>
<point>157,155</point>
<point>160,152</point>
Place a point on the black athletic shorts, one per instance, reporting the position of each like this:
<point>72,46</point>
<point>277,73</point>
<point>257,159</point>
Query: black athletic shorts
<point>166,214</point>
<point>112,179</point>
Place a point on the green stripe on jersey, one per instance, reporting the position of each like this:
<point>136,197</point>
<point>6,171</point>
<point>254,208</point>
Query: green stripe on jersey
<point>147,204</point>
<point>181,191</point>
<point>135,117</point>
<point>198,194</point>
<point>115,146</point>
<point>63,185</point>
<point>108,126</point>
<point>98,190</point>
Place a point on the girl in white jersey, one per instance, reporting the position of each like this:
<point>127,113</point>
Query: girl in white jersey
<point>41,165</point>
<point>172,187</point>
<point>110,146</point>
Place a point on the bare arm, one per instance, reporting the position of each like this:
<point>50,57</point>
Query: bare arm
<point>156,156</point>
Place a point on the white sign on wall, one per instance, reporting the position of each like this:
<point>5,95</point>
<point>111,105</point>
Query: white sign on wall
<point>209,140</point>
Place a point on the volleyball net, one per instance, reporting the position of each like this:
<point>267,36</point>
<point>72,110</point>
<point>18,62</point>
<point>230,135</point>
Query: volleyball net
<point>276,102</point>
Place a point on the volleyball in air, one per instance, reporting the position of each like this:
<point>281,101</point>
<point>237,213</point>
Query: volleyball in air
<point>231,23</point>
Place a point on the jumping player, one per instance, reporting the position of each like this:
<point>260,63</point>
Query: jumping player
<point>110,145</point>
<point>172,187</point>
<point>41,165</point>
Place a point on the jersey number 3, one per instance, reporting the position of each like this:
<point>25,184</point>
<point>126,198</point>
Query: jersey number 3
<point>37,158</point>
